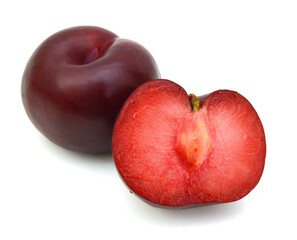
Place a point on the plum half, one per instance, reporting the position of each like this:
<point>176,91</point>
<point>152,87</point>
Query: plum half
<point>178,150</point>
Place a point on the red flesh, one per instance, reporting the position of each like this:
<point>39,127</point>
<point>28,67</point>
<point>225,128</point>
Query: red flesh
<point>154,162</point>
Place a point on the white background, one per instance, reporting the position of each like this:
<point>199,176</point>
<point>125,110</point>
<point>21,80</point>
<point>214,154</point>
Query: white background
<point>47,192</point>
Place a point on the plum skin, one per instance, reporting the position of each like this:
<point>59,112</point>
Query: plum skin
<point>76,81</point>
<point>147,146</point>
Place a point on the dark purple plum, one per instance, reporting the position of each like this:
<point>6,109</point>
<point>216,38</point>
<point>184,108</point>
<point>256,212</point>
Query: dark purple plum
<point>76,81</point>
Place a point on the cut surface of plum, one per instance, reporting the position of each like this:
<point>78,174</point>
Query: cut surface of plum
<point>172,153</point>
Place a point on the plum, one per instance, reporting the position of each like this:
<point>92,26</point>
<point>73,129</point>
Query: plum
<point>178,150</point>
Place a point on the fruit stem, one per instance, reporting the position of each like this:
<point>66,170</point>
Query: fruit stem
<point>195,102</point>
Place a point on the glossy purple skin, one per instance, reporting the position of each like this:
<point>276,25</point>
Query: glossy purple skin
<point>76,81</point>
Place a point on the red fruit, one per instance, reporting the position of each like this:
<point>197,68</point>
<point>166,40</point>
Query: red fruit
<point>76,82</point>
<point>177,151</point>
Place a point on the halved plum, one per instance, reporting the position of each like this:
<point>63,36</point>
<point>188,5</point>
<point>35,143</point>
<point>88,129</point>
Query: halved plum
<point>178,150</point>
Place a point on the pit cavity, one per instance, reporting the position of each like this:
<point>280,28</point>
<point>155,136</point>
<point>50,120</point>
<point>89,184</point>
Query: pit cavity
<point>193,139</point>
